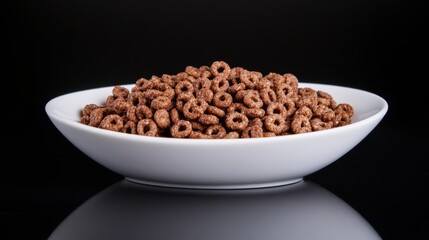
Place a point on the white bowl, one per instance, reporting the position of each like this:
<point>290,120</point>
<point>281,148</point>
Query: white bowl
<point>216,163</point>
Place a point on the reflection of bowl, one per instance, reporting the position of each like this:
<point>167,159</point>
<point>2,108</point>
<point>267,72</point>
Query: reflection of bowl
<point>216,163</point>
<point>132,211</point>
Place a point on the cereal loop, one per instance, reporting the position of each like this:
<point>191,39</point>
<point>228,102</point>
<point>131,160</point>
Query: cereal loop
<point>222,99</point>
<point>300,124</point>
<point>236,121</point>
<point>112,122</point>
<point>216,131</point>
<point>162,118</point>
<point>147,127</point>
<point>252,100</point>
<point>181,129</point>
<point>274,123</point>
<point>119,91</point>
<point>130,127</point>
<point>220,68</point>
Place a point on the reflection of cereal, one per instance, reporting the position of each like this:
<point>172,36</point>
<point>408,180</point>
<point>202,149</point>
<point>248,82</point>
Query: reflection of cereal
<point>217,101</point>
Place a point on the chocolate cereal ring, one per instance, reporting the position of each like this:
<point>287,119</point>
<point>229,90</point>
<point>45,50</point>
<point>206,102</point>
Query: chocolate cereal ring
<point>112,122</point>
<point>216,131</point>
<point>147,127</point>
<point>300,124</point>
<point>274,123</point>
<point>162,118</point>
<point>181,129</point>
<point>236,121</point>
<point>222,99</point>
<point>220,68</point>
<point>130,127</point>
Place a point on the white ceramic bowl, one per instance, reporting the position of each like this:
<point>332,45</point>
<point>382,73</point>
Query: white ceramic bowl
<point>216,163</point>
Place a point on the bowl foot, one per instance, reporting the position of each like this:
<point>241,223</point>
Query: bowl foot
<point>226,186</point>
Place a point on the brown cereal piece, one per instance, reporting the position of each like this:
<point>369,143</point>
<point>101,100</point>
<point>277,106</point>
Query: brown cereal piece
<point>182,98</point>
<point>208,119</point>
<point>234,75</point>
<point>202,83</point>
<point>216,131</point>
<point>151,94</point>
<point>194,108</point>
<point>85,119</point>
<point>268,134</point>
<point>256,122</point>
<point>267,96</point>
<point>300,124</point>
<point>343,114</point>
<point>97,116</point>
<point>324,98</point>
<point>252,132</point>
<point>318,124</point>
<point>204,68</point>
<point>306,97</point>
<point>236,88</point>
<point>131,114</point>
<point>206,94</point>
<point>174,115</point>
<point>291,80</point>
<point>277,108</point>
<point>285,92</point>
<point>305,111</point>
<point>207,75</point>
<point>184,87</point>
<point>112,122</point>
<point>197,126</point>
<point>274,123</point>
<point>323,112</point>
<point>215,111</point>
<point>252,100</point>
<point>289,104</point>
<point>220,68</point>
<point>222,100</point>
<point>181,129</point>
<point>232,135</point>
<point>86,111</point>
<point>236,121</point>
<point>119,106</point>
<point>199,135</point>
<point>345,108</point>
<point>161,102</point>
<point>249,79</point>
<point>136,98</point>
<point>168,79</point>
<point>237,107</point>
<point>119,91</point>
<point>143,112</point>
<point>162,118</point>
<point>147,127</point>
<point>265,83</point>
<point>219,84</point>
<point>254,112</point>
<point>240,95</point>
<point>275,78</point>
<point>130,127</point>
<point>138,87</point>
<point>193,71</point>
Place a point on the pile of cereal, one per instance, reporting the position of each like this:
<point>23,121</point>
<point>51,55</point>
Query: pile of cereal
<point>217,101</point>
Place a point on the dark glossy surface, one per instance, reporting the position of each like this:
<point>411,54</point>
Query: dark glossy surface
<point>55,47</point>
<point>127,210</point>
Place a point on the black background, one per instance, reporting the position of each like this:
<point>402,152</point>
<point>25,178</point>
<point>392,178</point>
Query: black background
<point>56,47</point>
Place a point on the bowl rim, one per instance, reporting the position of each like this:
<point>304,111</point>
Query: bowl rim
<point>132,137</point>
